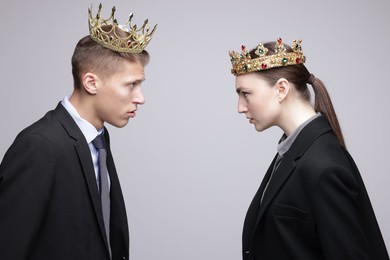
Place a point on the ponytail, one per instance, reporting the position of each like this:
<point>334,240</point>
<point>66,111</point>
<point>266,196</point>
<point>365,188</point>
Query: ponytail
<point>323,104</point>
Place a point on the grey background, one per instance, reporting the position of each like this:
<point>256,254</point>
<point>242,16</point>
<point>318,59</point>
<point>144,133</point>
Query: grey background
<point>189,163</point>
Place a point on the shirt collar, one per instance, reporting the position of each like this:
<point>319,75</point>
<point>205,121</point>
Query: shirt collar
<point>88,130</point>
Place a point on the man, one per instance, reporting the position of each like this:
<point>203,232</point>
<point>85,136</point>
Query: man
<point>60,197</point>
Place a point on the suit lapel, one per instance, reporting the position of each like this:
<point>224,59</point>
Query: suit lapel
<point>84,154</point>
<point>89,174</point>
<point>306,137</point>
<point>252,215</point>
<point>277,181</point>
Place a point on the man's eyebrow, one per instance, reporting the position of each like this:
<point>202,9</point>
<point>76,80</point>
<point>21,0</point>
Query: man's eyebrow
<point>135,81</point>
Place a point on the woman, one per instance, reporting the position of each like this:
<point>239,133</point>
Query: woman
<point>312,203</point>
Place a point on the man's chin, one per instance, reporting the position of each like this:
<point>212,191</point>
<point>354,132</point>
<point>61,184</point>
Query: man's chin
<point>119,124</point>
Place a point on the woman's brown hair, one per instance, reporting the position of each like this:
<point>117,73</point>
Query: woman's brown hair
<point>300,76</point>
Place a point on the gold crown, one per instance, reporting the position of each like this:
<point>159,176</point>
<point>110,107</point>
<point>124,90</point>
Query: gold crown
<point>243,63</point>
<point>135,41</point>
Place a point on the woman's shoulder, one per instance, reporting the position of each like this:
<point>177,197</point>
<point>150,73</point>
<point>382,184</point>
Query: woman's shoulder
<point>325,152</point>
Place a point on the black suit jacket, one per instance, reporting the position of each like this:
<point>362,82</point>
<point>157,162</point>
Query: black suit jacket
<point>316,206</point>
<point>49,202</point>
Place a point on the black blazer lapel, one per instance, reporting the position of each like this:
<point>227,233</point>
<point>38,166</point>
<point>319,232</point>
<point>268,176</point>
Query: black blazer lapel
<point>306,137</point>
<point>84,154</point>
<point>279,177</point>
<point>277,181</point>
<point>89,174</point>
<point>252,215</point>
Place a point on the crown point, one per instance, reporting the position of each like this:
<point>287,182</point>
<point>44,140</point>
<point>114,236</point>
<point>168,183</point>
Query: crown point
<point>134,42</point>
<point>280,40</point>
<point>242,47</point>
<point>147,29</point>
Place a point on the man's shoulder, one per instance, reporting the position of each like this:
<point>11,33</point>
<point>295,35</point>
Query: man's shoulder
<point>49,127</point>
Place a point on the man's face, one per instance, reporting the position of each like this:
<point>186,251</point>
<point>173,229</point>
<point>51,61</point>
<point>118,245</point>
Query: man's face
<point>118,96</point>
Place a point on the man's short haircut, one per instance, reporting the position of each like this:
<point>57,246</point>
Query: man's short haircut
<point>90,56</point>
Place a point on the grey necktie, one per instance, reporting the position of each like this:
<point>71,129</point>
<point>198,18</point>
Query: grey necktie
<point>100,145</point>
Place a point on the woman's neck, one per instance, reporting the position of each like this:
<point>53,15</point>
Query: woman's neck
<point>295,114</point>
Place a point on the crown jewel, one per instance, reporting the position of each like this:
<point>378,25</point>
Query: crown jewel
<point>135,40</point>
<point>243,63</point>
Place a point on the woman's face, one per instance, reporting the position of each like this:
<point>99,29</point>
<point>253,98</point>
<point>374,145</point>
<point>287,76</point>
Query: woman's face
<point>257,100</point>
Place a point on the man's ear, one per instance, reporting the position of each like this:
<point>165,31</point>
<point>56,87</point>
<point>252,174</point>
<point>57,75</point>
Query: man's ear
<point>90,82</point>
<point>283,88</point>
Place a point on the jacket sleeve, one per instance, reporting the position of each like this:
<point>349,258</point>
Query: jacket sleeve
<point>338,215</point>
<point>26,178</point>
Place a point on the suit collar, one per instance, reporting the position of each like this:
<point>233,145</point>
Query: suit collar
<point>67,122</point>
<point>306,137</point>
<point>88,130</point>
<point>286,141</point>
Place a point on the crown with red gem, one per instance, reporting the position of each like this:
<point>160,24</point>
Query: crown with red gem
<point>135,41</point>
<point>243,63</point>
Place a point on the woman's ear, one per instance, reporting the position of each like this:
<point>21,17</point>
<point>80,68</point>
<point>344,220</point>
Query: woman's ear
<point>283,88</point>
<point>90,81</point>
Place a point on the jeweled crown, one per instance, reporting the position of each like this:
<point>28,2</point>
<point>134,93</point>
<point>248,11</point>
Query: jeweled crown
<point>135,40</point>
<point>243,63</point>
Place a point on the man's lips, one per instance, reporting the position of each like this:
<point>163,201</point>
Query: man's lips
<point>131,114</point>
